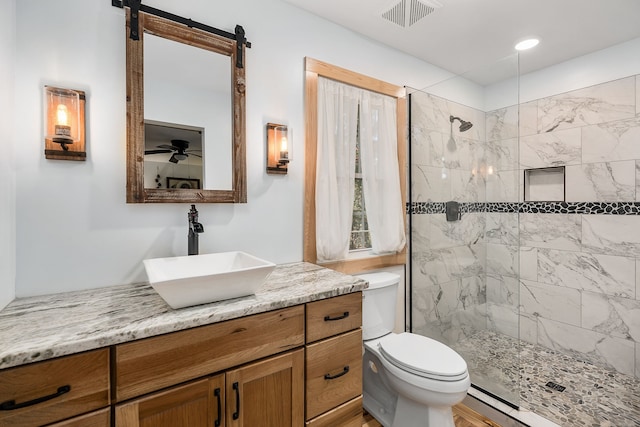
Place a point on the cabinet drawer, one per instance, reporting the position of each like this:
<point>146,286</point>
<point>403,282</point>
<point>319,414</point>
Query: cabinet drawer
<point>101,418</point>
<point>333,372</point>
<point>153,363</point>
<point>333,316</point>
<point>74,384</point>
<point>346,415</point>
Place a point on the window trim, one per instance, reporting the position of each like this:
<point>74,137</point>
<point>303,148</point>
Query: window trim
<point>313,69</point>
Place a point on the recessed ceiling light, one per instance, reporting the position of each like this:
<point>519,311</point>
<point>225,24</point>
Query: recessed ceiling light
<point>527,44</point>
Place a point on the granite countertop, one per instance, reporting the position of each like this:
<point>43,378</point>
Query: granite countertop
<point>40,328</point>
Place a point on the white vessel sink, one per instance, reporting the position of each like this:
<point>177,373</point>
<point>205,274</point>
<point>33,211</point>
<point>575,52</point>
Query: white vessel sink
<point>199,279</point>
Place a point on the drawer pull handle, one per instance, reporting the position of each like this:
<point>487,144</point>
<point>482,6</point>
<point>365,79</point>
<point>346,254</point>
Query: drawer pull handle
<point>10,405</point>
<point>345,370</point>
<point>236,414</point>
<point>330,319</point>
<point>216,393</point>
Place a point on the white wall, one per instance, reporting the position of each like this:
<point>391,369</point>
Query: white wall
<point>7,168</point>
<point>75,230</point>
<point>605,65</point>
<point>457,89</point>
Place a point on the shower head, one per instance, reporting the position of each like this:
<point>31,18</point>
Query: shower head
<point>464,125</point>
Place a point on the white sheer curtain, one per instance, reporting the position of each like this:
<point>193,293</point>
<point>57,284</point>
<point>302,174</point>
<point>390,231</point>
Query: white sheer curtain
<point>338,106</point>
<point>380,173</point>
<point>335,167</point>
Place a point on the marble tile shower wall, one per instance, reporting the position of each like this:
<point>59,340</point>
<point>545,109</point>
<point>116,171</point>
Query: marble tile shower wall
<point>448,258</point>
<point>579,287</point>
<point>570,282</point>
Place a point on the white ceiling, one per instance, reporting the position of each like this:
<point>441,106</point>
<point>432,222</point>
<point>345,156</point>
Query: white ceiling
<point>466,36</point>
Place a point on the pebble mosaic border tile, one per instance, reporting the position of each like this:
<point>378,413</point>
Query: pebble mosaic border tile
<point>585,208</point>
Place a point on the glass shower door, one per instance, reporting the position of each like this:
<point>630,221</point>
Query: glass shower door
<point>464,284</point>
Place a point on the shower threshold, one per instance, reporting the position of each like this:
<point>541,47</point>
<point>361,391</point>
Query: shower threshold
<point>504,414</point>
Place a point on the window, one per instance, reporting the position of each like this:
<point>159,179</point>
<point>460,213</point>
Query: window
<point>360,224</point>
<point>360,236</point>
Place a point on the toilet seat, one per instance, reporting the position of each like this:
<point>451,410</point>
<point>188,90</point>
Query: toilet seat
<point>423,356</point>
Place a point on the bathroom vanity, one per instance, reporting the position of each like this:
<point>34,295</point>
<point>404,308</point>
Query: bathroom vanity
<point>289,355</point>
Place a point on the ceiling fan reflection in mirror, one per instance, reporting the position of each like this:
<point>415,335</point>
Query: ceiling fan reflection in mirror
<point>179,148</point>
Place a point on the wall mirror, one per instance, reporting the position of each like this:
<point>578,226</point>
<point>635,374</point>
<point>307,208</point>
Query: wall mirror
<point>185,114</point>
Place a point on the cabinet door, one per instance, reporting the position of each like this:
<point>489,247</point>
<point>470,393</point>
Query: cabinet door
<point>198,404</point>
<point>269,393</point>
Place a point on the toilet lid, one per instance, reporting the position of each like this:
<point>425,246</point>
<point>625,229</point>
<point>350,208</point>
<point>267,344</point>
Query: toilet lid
<point>423,356</point>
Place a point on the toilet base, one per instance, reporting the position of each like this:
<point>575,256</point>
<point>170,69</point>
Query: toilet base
<point>413,414</point>
<point>409,414</point>
<point>377,410</point>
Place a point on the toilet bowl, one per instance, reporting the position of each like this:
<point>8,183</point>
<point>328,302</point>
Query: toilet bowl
<point>408,380</point>
<point>402,396</point>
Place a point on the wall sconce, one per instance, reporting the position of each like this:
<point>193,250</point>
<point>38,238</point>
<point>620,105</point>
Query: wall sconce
<point>64,132</point>
<point>278,148</point>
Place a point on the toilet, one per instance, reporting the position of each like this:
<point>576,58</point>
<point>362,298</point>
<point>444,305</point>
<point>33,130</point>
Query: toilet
<point>408,380</point>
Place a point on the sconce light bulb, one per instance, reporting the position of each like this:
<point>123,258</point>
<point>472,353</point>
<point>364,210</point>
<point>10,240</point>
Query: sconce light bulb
<point>284,152</point>
<point>62,115</point>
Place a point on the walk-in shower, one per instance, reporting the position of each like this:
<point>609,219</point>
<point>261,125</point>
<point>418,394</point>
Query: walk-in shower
<point>521,290</point>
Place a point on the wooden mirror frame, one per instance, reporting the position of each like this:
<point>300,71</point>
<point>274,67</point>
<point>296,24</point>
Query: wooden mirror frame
<point>136,193</point>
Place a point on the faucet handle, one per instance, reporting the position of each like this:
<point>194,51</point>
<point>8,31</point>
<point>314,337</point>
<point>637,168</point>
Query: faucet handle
<point>193,214</point>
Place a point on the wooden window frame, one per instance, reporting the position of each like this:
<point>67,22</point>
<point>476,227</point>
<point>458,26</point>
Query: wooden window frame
<point>313,69</point>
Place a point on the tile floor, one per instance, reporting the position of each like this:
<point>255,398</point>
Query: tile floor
<point>593,396</point>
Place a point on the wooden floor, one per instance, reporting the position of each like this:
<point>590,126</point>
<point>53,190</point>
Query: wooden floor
<point>462,415</point>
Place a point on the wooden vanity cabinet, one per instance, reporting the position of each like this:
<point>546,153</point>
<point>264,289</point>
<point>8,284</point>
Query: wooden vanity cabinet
<point>265,393</point>
<point>333,362</point>
<point>151,364</point>
<point>288,367</point>
<point>256,383</point>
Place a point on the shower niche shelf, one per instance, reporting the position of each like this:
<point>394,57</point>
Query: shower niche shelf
<point>544,184</point>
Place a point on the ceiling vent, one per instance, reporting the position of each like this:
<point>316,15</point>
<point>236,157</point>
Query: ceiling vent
<point>407,12</point>
<point>396,14</point>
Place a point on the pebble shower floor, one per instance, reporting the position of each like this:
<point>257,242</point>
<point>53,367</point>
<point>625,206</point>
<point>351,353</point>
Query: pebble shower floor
<point>593,396</point>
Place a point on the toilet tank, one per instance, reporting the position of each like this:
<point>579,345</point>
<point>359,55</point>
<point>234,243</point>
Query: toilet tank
<point>379,304</point>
